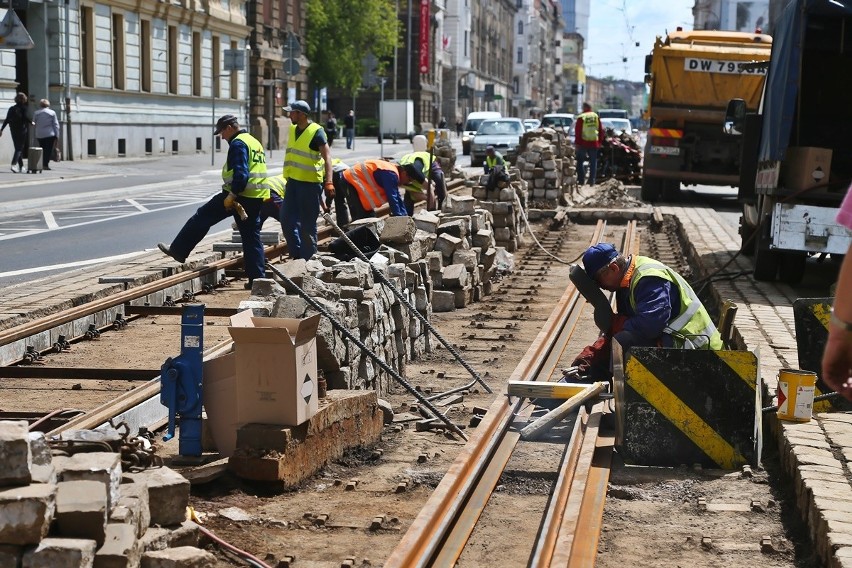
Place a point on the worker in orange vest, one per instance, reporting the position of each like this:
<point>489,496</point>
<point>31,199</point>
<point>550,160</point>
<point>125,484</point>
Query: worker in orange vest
<point>372,183</point>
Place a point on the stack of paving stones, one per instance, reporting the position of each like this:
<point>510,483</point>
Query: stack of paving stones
<point>437,261</point>
<point>504,203</point>
<point>82,511</point>
<point>446,156</point>
<point>547,163</point>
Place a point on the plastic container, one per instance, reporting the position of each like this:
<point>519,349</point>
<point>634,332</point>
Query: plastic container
<point>796,394</point>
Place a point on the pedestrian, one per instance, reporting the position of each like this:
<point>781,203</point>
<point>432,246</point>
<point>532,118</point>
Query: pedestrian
<point>349,129</point>
<point>588,136</point>
<point>837,358</point>
<point>656,307</point>
<point>307,168</point>
<point>331,128</point>
<point>243,193</point>
<point>442,123</point>
<point>372,183</point>
<point>492,158</point>
<point>19,121</point>
<point>459,127</point>
<point>46,131</point>
<point>437,186</point>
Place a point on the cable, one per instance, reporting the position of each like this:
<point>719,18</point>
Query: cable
<point>527,223</point>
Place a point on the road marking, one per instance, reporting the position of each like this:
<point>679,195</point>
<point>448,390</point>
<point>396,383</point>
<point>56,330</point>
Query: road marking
<point>138,205</point>
<point>50,220</point>
<point>72,264</point>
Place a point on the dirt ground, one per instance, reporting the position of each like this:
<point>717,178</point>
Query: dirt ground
<point>652,515</point>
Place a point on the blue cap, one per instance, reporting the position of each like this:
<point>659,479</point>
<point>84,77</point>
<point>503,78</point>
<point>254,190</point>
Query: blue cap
<point>300,106</point>
<point>597,256</point>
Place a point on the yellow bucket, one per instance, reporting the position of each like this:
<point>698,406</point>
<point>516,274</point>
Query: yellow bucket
<point>796,394</point>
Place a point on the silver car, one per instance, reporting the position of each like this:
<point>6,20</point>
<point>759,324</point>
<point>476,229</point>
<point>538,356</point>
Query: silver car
<point>502,133</point>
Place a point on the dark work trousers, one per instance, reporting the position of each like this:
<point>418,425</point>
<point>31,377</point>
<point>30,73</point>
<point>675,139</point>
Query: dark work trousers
<point>341,209</point>
<point>21,141</point>
<point>271,208</point>
<point>590,154</point>
<point>438,185</point>
<point>214,211</point>
<point>299,214</point>
<point>46,150</point>
<point>355,208</point>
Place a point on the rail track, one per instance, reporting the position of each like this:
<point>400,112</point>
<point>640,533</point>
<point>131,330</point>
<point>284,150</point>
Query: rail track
<point>570,527</point>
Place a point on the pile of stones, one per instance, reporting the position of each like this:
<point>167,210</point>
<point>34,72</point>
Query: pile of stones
<point>446,155</point>
<point>505,203</point>
<point>547,163</point>
<point>84,510</point>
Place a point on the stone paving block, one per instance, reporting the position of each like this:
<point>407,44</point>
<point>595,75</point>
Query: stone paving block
<point>443,301</point>
<point>121,549</point>
<point>15,454</point>
<point>455,276</point>
<point>81,510</point>
<point>398,230</point>
<point>61,553</point>
<point>168,494</point>
<point>39,449</point>
<point>95,466</point>
<point>447,244</point>
<point>181,557</point>
<point>426,221</point>
<point>134,498</point>
<point>158,538</point>
<point>27,513</point>
<point>463,296</point>
<point>44,474</point>
<point>468,258</point>
<point>10,556</point>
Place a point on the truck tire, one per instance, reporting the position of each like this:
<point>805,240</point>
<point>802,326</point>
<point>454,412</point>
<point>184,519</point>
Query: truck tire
<point>465,150</point>
<point>792,266</point>
<point>671,190</point>
<point>766,261</point>
<point>652,189</point>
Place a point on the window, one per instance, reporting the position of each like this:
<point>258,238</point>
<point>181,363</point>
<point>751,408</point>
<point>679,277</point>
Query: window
<point>87,46</point>
<point>117,51</point>
<point>520,55</point>
<point>196,64</point>
<point>520,27</point>
<point>173,60</point>
<point>145,55</point>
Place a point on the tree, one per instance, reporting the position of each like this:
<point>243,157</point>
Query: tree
<point>340,32</point>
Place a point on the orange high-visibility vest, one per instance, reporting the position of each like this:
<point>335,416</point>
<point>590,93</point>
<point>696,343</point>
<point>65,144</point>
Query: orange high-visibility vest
<point>360,176</point>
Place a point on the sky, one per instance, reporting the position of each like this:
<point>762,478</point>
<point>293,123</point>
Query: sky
<point>616,25</point>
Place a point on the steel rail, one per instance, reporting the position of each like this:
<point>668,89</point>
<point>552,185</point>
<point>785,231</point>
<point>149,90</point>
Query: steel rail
<point>425,538</point>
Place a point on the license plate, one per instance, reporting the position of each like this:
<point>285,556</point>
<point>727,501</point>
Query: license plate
<point>666,150</point>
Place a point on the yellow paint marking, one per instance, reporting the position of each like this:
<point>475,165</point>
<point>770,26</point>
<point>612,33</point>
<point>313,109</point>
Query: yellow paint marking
<point>681,416</point>
<point>743,364</point>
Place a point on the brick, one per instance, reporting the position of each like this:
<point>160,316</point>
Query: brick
<point>27,513</point>
<point>81,510</point>
<point>121,549</point>
<point>168,494</point>
<point>181,557</point>
<point>15,454</point>
<point>95,466</point>
<point>61,553</point>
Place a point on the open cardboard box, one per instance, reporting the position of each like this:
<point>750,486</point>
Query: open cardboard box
<point>271,377</point>
<point>805,167</point>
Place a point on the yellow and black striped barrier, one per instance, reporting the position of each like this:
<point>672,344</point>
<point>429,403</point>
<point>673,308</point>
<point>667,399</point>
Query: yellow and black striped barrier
<point>811,319</point>
<point>679,406</point>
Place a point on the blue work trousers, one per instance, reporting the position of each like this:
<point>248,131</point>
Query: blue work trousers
<point>590,154</point>
<point>271,208</point>
<point>214,211</point>
<point>299,214</point>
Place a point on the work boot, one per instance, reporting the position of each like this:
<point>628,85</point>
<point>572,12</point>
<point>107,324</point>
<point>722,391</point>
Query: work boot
<point>167,251</point>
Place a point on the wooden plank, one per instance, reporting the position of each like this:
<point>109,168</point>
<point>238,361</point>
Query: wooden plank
<point>552,418</point>
<point>540,389</point>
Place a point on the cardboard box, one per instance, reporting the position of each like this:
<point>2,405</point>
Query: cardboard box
<point>805,166</point>
<point>276,368</point>
<point>219,387</point>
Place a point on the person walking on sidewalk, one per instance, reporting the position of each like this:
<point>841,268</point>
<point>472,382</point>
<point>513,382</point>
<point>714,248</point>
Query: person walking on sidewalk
<point>307,164</point>
<point>18,120</point>
<point>349,129</point>
<point>46,131</point>
<point>243,191</point>
<point>588,137</point>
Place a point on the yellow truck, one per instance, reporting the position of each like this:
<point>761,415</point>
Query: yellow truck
<point>692,75</point>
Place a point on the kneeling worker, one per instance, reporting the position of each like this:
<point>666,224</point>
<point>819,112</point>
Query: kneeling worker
<point>656,308</point>
<point>414,190</point>
<point>373,183</point>
<point>492,158</point>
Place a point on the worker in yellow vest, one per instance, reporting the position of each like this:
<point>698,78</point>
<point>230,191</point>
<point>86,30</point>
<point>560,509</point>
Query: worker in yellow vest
<point>414,190</point>
<point>307,169</point>
<point>588,137</point>
<point>243,192</point>
<point>272,205</point>
<point>372,183</point>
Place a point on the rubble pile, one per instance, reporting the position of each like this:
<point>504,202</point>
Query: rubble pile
<point>546,162</point>
<point>621,157</point>
<point>439,262</point>
<point>503,202</point>
<point>608,194</point>
<point>84,510</point>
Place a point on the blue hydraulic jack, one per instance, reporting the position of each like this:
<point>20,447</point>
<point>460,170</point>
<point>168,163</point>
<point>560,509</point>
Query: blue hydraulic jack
<point>180,382</point>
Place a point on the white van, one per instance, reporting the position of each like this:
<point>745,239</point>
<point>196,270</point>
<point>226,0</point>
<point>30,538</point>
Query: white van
<point>472,123</point>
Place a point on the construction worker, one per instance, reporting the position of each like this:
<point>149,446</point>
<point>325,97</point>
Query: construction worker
<point>414,189</point>
<point>372,183</point>
<point>492,158</point>
<point>588,137</point>
<point>656,307</point>
<point>307,162</point>
<point>341,209</point>
<point>243,192</point>
<point>272,204</point>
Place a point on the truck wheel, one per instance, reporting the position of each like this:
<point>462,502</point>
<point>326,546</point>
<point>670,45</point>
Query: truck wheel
<point>792,266</point>
<point>671,190</point>
<point>652,189</point>
<point>766,261</point>
<point>465,150</point>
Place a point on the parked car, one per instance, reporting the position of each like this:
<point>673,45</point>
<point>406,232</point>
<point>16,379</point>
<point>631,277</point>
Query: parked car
<point>532,123</point>
<point>562,121</point>
<point>473,121</point>
<point>618,125</point>
<point>503,133</point>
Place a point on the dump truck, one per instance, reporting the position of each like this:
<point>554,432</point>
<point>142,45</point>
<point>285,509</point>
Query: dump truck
<point>797,148</point>
<point>692,75</point>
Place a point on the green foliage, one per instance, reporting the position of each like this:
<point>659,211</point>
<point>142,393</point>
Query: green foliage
<point>341,32</point>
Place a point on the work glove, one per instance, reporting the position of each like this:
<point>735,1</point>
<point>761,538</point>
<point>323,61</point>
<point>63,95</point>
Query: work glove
<point>329,189</point>
<point>231,203</point>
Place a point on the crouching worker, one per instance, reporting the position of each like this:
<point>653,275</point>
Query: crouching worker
<point>372,183</point>
<point>414,190</point>
<point>656,307</point>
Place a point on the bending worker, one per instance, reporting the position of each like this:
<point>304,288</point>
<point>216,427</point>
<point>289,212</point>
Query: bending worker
<point>492,158</point>
<point>414,189</point>
<point>341,209</point>
<point>373,183</point>
<point>307,162</point>
<point>656,308</point>
<point>243,191</point>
